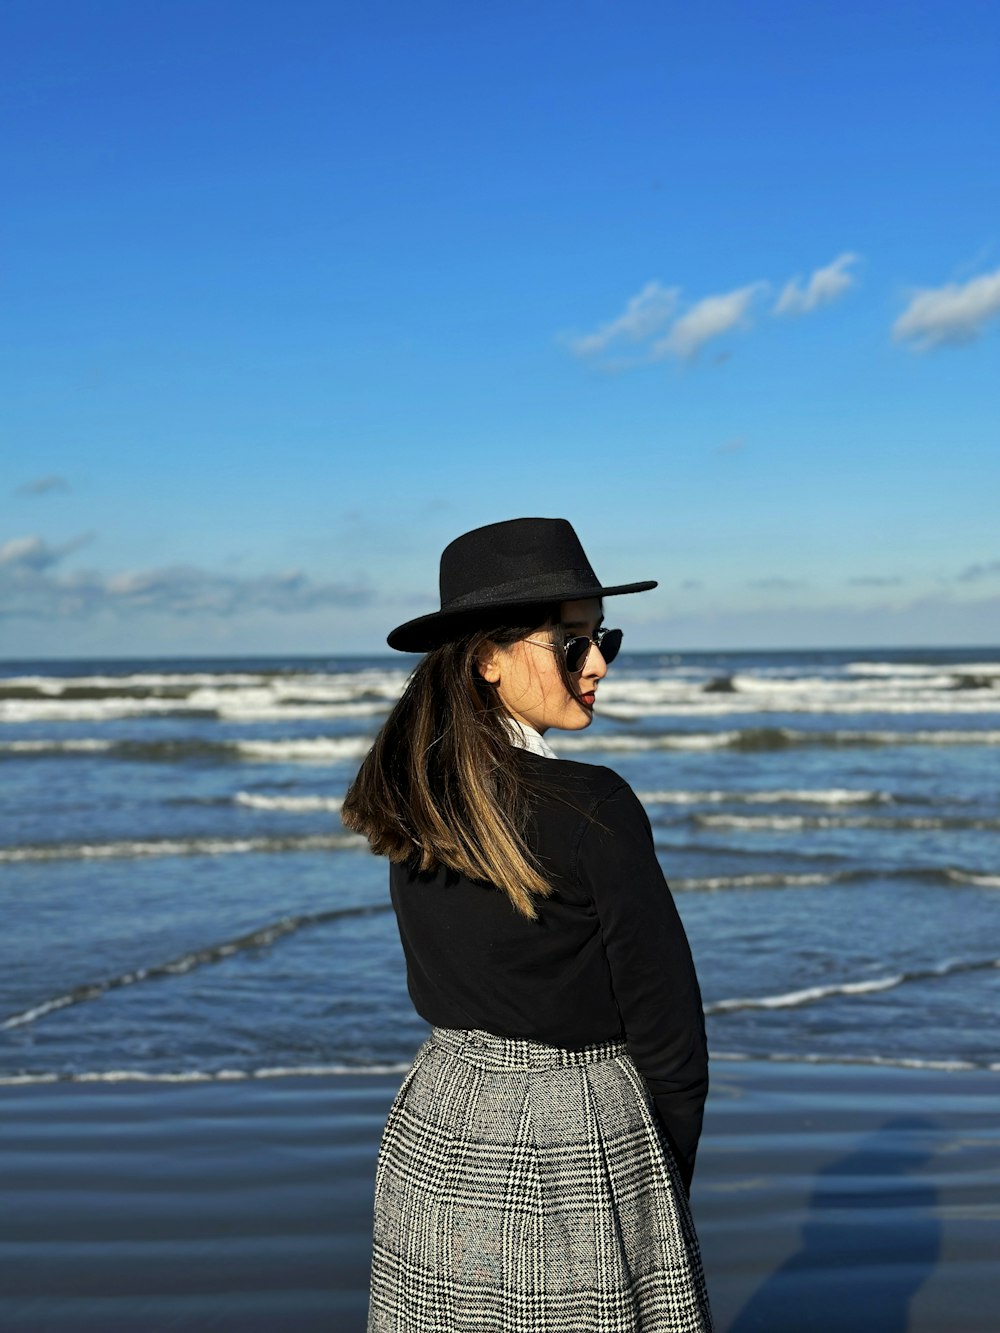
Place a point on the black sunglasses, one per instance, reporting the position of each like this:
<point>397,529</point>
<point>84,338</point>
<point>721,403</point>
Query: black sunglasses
<point>608,642</point>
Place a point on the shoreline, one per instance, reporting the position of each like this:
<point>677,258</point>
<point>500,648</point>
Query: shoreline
<point>826,1196</point>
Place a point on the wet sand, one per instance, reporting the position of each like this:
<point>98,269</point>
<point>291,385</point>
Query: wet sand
<point>828,1198</point>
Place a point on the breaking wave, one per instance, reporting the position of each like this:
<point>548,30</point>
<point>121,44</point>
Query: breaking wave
<point>76,851</point>
<point>187,962</point>
<point>811,994</point>
<point>810,796</point>
<point>774,738</point>
<point>793,823</point>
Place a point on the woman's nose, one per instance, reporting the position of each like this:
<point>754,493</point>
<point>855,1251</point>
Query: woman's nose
<point>595,664</point>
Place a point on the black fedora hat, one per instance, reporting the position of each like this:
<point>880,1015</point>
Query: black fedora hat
<point>505,565</point>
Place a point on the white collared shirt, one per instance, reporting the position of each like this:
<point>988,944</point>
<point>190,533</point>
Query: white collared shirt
<point>525,735</point>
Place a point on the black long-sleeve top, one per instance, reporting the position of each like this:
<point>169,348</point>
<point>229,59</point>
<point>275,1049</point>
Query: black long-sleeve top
<point>606,959</point>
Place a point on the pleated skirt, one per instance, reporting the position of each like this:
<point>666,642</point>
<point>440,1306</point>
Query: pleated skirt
<point>525,1188</point>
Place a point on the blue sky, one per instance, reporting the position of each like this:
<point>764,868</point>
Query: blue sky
<point>295,293</point>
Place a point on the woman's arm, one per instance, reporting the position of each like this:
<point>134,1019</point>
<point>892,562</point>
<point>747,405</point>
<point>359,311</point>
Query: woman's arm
<point>652,971</point>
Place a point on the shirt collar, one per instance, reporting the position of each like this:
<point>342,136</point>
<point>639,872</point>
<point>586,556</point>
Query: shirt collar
<point>524,735</point>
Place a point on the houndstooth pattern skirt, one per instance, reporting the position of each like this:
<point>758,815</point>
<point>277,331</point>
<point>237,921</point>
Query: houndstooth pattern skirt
<point>524,1188</point>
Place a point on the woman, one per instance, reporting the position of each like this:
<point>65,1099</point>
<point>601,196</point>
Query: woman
<point>535,1165</point>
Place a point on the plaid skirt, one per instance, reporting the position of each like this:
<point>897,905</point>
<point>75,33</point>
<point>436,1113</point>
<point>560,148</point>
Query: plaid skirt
<point>524,1188</point>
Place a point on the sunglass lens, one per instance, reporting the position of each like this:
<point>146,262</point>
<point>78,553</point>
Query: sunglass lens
<point>576,653</point>
<point>610,644</point>
<point>578,649</point>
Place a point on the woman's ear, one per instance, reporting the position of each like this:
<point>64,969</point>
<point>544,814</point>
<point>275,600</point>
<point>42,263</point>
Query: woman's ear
<point>488,662</point>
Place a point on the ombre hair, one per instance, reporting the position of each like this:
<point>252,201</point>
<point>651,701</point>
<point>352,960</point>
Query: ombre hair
<point>442,784</point>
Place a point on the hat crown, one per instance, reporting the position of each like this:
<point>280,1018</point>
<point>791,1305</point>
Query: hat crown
<point>513,557</point>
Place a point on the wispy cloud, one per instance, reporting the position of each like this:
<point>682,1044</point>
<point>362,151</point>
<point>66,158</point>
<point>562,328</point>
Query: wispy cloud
<point>43,485</point>
<point>776,583</point>
<point>824,286</point>
<point>654,324</point>
<point>953,314</point>
<point>709,318</point>
<point>982,571</point>
<point>36,554</point>
<point>875,581</point>
<point>644,315</point>
<point>31,587</point>
<point>887,619</point>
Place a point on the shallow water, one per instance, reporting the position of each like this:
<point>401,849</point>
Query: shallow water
<point>180,897</point>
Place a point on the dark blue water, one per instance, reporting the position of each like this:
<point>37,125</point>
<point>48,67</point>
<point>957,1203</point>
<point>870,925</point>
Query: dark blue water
<point>180,898</point>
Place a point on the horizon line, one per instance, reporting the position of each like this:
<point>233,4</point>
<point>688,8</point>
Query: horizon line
<point>395,655</point>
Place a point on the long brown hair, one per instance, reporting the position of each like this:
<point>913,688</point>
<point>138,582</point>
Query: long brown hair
<point>442,784</point>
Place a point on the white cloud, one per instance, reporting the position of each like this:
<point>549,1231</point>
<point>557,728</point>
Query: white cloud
<point>708,318</point>
<point>955,313</point>
<point>824,285</point>
<point>30,588</point>
<point>34,553</point>
<point>644,314</point>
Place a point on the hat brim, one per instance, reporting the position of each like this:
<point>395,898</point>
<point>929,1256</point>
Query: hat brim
<point>430,631</point>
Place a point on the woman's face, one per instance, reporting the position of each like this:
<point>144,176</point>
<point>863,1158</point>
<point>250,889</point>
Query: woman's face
<point>528,676</point>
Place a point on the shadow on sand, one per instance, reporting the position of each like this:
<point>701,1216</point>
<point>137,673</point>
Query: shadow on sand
<point>870,1240</point>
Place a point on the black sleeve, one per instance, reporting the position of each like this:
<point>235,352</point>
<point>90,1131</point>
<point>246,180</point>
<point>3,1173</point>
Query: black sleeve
<point>652,971</point>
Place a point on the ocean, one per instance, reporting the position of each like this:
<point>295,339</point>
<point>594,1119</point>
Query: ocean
<point>181,901</point>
